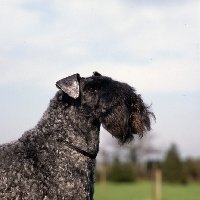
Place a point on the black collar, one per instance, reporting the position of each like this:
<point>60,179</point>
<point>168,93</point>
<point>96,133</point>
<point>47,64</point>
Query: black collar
<point>91,156</point>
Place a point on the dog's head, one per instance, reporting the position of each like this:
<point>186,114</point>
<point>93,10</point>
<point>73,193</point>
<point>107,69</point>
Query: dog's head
<point>120,110</point>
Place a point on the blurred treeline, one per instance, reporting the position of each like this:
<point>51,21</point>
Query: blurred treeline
<point>134,164</point>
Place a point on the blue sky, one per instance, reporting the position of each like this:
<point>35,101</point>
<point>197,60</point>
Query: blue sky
<point>152,45</point>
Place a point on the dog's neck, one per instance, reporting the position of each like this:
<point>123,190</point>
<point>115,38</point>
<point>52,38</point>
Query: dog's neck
<point>57,122</point>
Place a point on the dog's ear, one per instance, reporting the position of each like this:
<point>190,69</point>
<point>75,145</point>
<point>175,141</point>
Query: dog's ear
<point>70,85</point>
<point>96,74</point>
<point>140,117</point>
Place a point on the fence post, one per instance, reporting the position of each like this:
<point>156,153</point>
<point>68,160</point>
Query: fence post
<point>158,184</point>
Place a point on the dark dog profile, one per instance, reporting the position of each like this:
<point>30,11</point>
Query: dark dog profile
<point>56,159</point>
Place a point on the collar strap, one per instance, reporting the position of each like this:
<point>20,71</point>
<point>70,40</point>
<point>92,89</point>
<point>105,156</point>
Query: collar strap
<point>91,156</point>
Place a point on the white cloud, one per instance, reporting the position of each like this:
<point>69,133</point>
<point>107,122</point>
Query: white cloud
<point>16,22</point>
<point>168,77</point>
<point>152,48</point>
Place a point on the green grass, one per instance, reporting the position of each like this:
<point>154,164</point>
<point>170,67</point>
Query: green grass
<point>144,191</point>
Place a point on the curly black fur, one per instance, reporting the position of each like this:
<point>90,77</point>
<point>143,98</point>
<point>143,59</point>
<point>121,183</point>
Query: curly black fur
<point>55,159</point>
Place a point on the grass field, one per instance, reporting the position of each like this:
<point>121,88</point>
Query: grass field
<point>144,191</point>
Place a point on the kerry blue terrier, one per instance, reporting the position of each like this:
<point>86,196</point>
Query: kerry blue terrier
<point>56,159</point>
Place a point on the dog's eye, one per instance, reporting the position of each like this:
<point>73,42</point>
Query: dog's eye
<point>92,90</point>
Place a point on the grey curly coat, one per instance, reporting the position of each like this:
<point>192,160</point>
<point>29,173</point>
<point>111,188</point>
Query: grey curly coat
<point>56,159</point>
